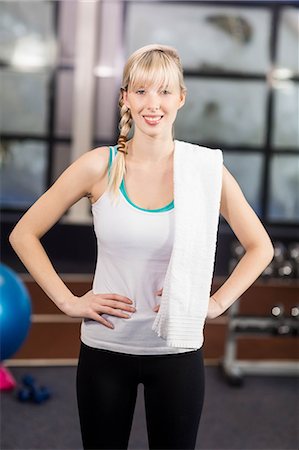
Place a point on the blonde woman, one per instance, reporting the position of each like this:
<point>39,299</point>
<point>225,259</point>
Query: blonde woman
<point>130,187</point>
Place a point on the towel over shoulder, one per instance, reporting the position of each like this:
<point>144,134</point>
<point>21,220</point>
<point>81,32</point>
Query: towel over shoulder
<point>197,176</point>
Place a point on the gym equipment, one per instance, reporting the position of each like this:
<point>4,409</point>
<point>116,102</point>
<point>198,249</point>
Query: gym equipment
<point>7,381</point>
<point>295,314</point>
<point>15,307</point>
<point>284,265</point>
<point>277,324</point>
<point>31,392</point>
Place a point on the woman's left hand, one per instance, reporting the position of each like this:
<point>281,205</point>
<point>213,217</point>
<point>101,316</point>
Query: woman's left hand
<point>214,309</point>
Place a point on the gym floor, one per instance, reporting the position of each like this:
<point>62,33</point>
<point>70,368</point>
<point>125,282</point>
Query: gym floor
<point>262,414</point>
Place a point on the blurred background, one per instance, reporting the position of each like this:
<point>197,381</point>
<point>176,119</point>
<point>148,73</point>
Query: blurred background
<point>61,65</point>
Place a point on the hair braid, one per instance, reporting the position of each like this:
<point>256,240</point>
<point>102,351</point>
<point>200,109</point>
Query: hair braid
<point>119,166</point>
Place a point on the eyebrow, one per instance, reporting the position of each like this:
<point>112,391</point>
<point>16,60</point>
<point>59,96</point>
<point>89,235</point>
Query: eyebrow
<point>142,86</point>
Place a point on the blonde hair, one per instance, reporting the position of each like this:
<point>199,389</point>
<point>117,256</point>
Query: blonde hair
<point>152,64</point>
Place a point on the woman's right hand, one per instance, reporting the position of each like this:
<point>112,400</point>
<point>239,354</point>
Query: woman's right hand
<point>91,306</point>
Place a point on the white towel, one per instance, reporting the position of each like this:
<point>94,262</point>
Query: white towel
<point>187,284</point>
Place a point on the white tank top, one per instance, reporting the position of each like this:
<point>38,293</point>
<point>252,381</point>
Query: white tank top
<point>133,251</point>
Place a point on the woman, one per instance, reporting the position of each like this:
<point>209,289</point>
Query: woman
<point>134,232</point>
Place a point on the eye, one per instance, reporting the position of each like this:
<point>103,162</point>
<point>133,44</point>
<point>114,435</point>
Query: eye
<point>140,91</point>
<point>165,91</point>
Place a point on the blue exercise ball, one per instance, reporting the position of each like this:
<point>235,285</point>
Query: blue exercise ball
<point>15,312</point>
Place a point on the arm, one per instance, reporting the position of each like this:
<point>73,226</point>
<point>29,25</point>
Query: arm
<point>76,182</point>
<point>253,237</point>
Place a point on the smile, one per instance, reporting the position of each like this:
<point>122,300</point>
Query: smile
<point>152,120</point>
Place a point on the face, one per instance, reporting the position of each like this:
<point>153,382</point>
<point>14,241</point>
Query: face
<point>154,110</point>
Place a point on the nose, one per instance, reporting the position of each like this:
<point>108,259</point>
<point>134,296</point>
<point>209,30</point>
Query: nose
<point>153,102</point>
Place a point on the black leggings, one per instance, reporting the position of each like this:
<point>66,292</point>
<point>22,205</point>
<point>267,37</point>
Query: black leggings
<point>107,384</point>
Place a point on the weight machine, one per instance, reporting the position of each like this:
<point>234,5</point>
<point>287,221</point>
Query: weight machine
<point>238,326</point>
<point>284,265</point>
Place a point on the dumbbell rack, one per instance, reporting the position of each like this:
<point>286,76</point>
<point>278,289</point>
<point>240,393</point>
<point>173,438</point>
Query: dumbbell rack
<point>238,326</point>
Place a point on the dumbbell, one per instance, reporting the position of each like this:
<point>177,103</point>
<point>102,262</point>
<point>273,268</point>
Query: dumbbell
<point>31,392</point>
<point>281,327</point>
<point>295,315</point>
<point>295,312</point>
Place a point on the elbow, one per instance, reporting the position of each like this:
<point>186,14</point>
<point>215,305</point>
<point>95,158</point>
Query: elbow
<point>270,252</point>
<point>13,238</point>
<point>268,256</point>
<point>265,252</point>
<point>16,236</point>
<point>19,236</point>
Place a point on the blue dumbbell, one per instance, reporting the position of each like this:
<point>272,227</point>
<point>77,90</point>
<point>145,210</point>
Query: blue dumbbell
<point>28,380</point>
<point>24,394</point>
<point>41,395</point>
<point>31,392</point>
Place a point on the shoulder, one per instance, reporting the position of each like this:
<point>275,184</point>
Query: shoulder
<point>95,161</point>
<point>213,152</point>
<point>98,154</point>
<point>88,169</point>
<point>196,149</point>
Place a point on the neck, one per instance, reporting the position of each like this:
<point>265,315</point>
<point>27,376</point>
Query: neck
<point>149,151</point>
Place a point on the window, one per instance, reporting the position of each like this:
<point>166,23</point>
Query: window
<point>36,64</point>
<point>241,69</point>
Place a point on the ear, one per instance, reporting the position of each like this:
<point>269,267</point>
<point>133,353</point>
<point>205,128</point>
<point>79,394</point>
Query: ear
<point>125,99</point>
<point>182,100</point>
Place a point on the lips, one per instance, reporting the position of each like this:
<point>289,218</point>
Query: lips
<point>152,120</point>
